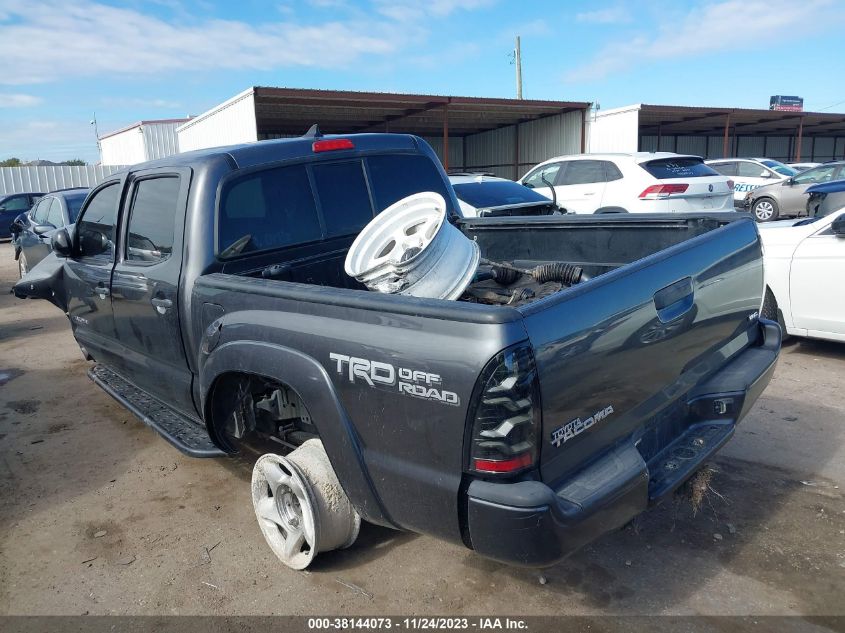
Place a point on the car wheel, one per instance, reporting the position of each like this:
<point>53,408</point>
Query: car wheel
<point>765,210</point>
<point>22,265</point>
<point>771,312</point>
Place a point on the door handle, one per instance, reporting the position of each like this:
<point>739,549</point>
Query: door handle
<point>674,300</point>
<point>590,193</point>
<point>161,305</point>
<point>102,292</point>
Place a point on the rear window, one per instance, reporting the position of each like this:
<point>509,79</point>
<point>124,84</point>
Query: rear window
<point>496,194</point>
<point>680,167</point>
<point>74,204</point>
<point>277,208</point>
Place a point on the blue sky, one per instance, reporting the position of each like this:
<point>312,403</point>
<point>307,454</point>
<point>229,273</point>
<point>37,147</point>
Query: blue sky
<point>131,60</point>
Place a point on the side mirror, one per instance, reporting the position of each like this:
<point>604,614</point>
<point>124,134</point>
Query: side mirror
<point>528,184</point>
<point>838,225</point>
<point>2,208</point>
<point>41,229</point>
<point>61,243</point>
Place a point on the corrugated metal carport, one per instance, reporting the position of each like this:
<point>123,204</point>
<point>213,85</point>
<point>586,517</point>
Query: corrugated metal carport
<point>504,136</point>
<point>721,132</point>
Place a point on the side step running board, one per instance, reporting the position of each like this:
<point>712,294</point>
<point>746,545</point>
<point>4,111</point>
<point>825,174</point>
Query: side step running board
<point>183,433</point>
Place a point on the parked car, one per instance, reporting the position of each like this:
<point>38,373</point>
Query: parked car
<point>482,195</point>
<point>824,199</point>
<point>11,206</point>
<point>789,197</point>
<point>749,173</point>
<point>805,264</point>
<point>799,167</point>
<point>33,230</point>
<point>656,182</point>
<point>219,312</point>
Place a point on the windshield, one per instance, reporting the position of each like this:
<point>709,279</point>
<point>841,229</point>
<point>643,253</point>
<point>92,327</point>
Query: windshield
<point>780,168</point>
<point>496,193</point>
<point>74,204</point>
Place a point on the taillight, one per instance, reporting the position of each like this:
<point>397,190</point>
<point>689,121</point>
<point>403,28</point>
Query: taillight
<point>506,419</point>
<point>656,192</point>
<point>332,145</point>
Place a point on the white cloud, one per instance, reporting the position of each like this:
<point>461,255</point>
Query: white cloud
<point>610,15</point>
<point>17,100</point>
<point>133,102</point>
<point>48,139</point>
<point>96,39</point>
<point>413,10</point>
<point>715,28</point>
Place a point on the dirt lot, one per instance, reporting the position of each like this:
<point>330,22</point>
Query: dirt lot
<point>100,516</point>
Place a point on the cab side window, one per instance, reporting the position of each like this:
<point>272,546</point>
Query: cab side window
<point>96,227</point>
<point>543,176</point>
<point>151,220</point>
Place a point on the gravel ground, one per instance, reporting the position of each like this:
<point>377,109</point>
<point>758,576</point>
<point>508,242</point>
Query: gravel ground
<point>100,516</point>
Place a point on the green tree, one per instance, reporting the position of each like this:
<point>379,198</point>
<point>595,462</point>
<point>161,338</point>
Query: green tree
<point>11,162</point>
<point>75,161</point>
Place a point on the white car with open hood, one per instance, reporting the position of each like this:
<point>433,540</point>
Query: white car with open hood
<point>805,263</point>
<point>654,182</point>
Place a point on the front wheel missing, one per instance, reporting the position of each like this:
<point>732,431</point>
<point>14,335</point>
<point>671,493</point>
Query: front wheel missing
<point>300,506</point>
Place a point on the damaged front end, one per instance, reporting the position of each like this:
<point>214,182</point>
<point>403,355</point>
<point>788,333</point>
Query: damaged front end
<point>44,281</point>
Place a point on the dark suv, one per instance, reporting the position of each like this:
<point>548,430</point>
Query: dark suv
<point>11,206</point>
<point>31,231</point>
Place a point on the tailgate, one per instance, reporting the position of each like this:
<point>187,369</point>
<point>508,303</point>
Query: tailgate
<point>617,356</point>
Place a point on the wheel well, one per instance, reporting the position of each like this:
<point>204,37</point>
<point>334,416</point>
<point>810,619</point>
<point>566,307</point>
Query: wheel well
<point>611,210</point>
<point>244,410</point>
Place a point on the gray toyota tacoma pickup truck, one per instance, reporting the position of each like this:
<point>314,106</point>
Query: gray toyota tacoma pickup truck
<point>209,290</point>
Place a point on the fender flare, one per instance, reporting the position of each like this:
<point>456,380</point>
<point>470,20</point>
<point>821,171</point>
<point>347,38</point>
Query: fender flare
<point>311,382</point>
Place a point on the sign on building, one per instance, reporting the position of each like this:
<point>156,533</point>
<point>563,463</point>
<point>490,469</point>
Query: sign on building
<point>788,104</point>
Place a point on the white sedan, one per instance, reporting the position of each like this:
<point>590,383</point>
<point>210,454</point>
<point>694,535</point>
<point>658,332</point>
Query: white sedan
<point>805,265</point>
<point>638,182</point>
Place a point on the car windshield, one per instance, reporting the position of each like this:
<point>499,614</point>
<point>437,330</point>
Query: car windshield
<point>496,193</point>
<point>780,168</point>
<point>74,204</point>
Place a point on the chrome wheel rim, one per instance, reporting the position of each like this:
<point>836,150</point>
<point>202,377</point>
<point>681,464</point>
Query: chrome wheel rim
<point>285,510</point>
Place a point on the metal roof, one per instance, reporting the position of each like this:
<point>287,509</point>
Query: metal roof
<point>684,120</point>
<point>293,110</point>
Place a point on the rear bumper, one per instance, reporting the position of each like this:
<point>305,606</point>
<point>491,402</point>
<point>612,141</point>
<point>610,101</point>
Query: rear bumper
<point>532,524</point>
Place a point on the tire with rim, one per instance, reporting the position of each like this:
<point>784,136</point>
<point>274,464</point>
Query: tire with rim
<point>22,266</point>
<point>765,210</point>
<point>300,505</point>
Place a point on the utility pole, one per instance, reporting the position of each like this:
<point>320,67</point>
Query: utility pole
<point>96,131</point>
<point>517,56</point>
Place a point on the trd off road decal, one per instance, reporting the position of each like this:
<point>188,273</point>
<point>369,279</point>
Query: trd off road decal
<point>377,374</point>
<point>571,429</point>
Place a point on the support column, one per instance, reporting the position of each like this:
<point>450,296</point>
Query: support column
<point>798,140</point>
<point>446,136</point>
<point>516,151</point>
<point>725,137</point>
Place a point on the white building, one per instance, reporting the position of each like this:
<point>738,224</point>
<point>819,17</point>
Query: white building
<point>503,136</point>
<point>139,142</point>
<point>718,132</point>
